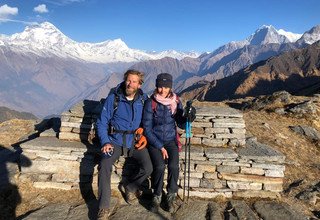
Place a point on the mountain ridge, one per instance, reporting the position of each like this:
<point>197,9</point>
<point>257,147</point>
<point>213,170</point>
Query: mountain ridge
<point>45,39</point>
<point>31,81</point>
<point>291,71</point>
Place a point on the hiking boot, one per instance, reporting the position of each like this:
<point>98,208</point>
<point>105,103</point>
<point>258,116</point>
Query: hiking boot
<point>130,197</point>
<point>103,214</point>
<point>170,199</point>
<point>155,204</point>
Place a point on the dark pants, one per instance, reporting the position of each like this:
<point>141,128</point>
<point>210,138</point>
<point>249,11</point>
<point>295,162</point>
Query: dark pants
<point>105,169</point>
<point>158,163</point>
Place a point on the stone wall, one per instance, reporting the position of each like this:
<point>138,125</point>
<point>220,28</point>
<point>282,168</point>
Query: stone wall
<point>213,127</point>
<point>77,122</point>
<point>218,127</point>
<point>222,162</point>
<point>253,170</point>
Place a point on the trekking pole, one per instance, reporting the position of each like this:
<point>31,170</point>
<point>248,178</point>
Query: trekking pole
<point>185,168</point>
<point>187,150</point>
<point>189,103</point>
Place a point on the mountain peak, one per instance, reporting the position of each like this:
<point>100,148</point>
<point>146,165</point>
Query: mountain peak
<point>44,33</point>
<point>267,34</point>
<point>266,27</point>
<point>311,36</point>
<point>47,25</point>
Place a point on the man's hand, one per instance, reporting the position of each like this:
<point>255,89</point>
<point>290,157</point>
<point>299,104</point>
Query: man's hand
<point>107,148</point>
<point>164,153</point>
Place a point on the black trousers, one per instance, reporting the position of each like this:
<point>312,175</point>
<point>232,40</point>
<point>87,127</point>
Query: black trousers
<point>158,162</point>
<point>105,169</point>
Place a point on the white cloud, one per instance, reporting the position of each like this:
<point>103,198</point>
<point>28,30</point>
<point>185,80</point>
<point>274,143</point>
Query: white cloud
<point>7,11</point>
<point>41,9</point>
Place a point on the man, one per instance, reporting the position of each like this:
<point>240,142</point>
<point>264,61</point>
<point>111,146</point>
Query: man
<point>120,117</point>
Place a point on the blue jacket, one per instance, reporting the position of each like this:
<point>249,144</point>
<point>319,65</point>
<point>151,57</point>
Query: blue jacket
<point>127,117</point>
<point>160,125</point>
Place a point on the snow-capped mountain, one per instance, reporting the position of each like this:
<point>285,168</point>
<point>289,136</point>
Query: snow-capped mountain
<point>292,37</point>
<point>310,36</point>
<point>46,40</point>
<point>43,67</point>
<point>267,35</point>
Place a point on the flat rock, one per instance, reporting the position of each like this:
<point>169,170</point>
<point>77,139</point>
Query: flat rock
<point>219,111</point>
<point>55,144</point>
<point>192,210</point>
<point>242,210</point>
<point>256,151</point>
<point>56,211</point>
<point>215,211</point>
<point>48,133</point>
<point>219,152</point>
<point>310,132</point>
<point>138,211</point>
<point>271,210</point>
<point>89,210</point>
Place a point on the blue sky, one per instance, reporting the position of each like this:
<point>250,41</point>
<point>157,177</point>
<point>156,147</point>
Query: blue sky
<point>199,25</point>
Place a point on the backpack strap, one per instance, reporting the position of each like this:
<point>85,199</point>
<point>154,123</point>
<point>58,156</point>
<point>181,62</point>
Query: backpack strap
<point>115,103</point>
<point>153,105</point>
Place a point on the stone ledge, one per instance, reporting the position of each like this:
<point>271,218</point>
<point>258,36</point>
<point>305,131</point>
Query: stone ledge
<point>249,178</point>
<point>220,153</point>
<point>55,144</point>
<point>256,151</point>
<point>219,111</point>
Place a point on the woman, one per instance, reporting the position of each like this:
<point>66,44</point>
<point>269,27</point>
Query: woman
<point>162,112</point>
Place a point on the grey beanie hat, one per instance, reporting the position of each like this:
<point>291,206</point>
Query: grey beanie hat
<point>164,80</point>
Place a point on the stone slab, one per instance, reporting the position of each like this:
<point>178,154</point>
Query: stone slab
<point>213,142</point>
<point>235,185</point>
<point>274,173</point>
<point>212,183</point>
<point>206,195</point>
<point>215,211</point>
<point>266,166</point>
<point>55,144</point>
<point>228,125</point>
<point>243,211</point>
<point>59,211</point>
<point>256,194</point>
<point>192,210</point>
<point>219,111</point>
<point>220,153</point>
<point>249,178</point>
<point>259,152</point>
<point>275,187</point>
<point>194,151</point>
<point>227,169</point>
<point>48,133</point>
<point>279,211</point>
<point>228,120</point>
<point>252,170</point>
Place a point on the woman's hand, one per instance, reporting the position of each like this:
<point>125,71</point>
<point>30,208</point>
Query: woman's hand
<point>107,148</point>
<point>164,153</point>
